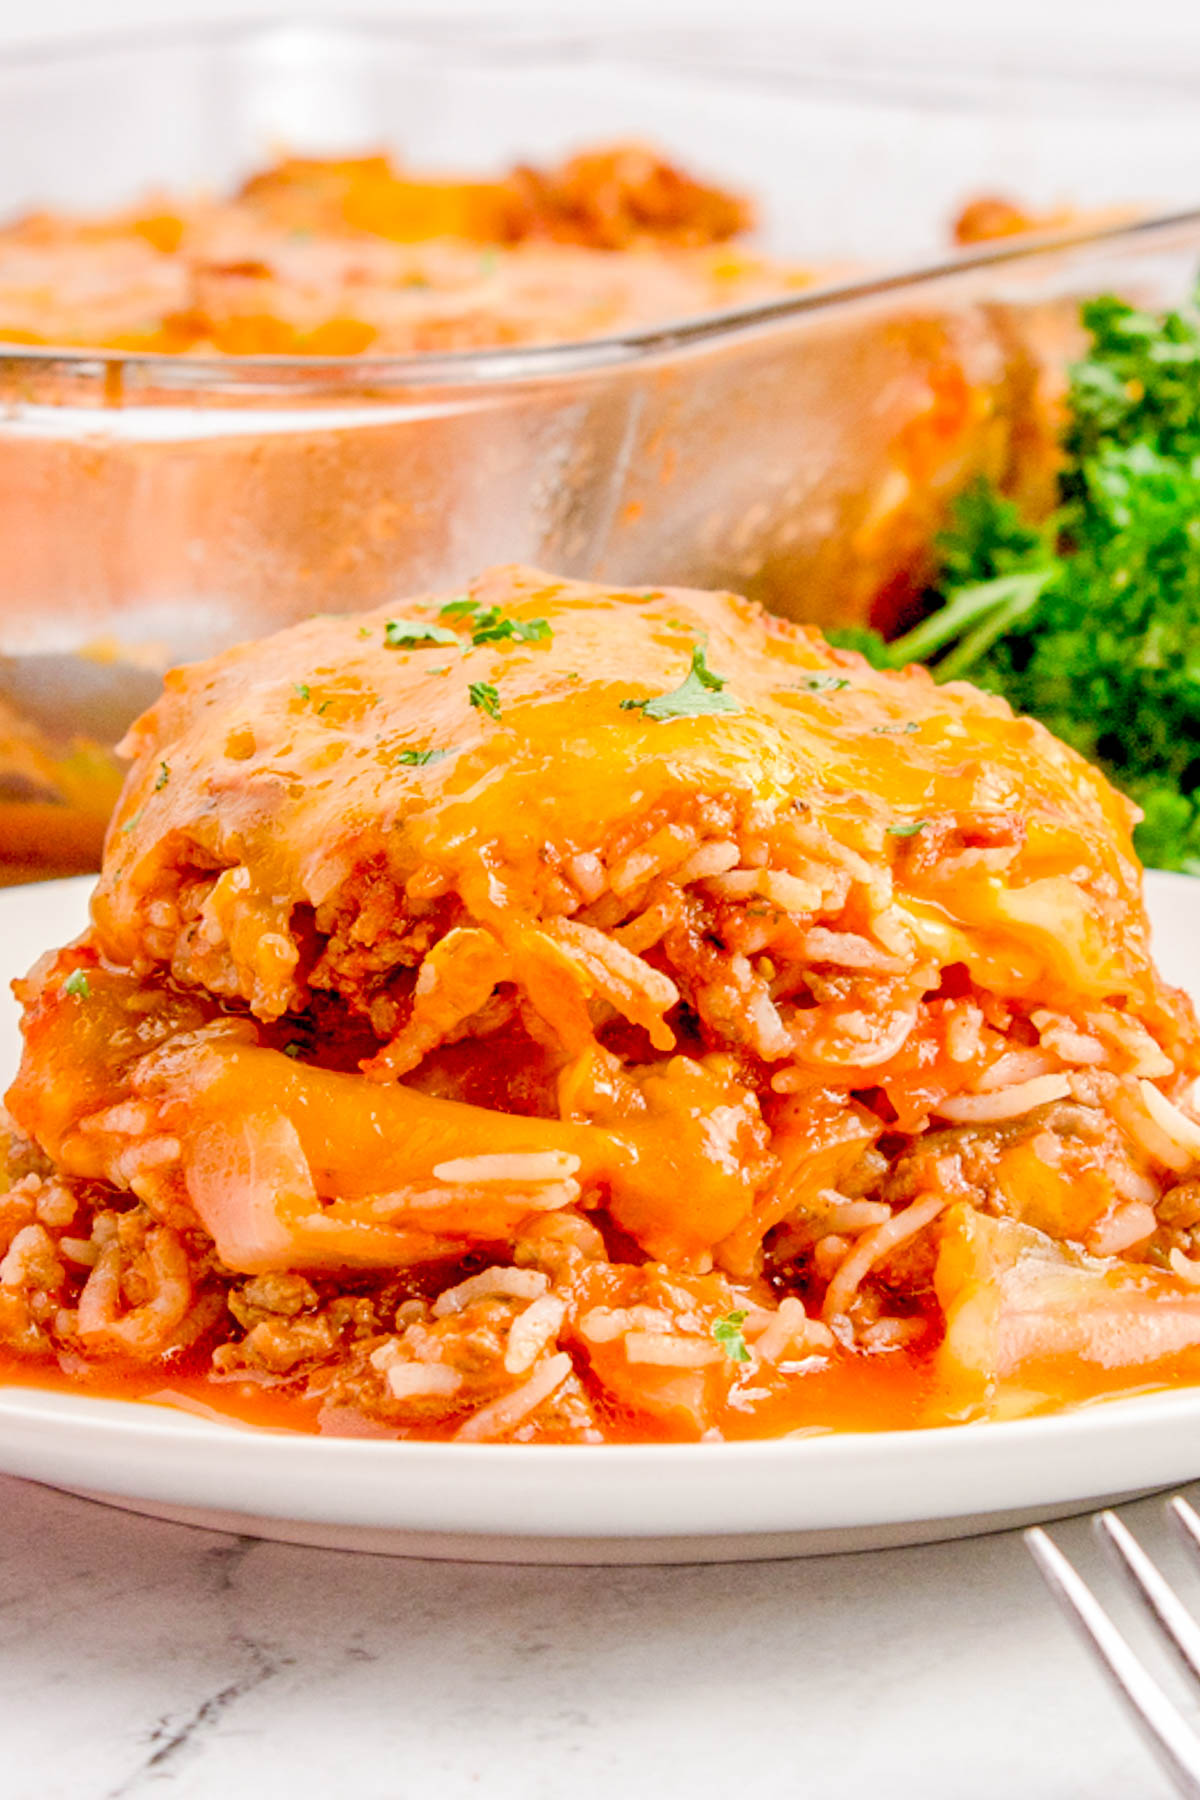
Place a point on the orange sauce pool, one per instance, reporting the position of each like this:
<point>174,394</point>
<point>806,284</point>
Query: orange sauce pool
<point>889,1392</point>
<point>894,1391</point>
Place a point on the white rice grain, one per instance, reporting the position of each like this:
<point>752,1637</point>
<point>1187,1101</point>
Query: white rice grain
<point>710,859</point>
<point>846,950</point>
<point>604,1324</point>
<point>529,1169</point>
<point>504,1414</point>
<point>1006,1103</point>
<point>855,1215</point>
<point>963,1030</point>
<point>1186,1269</point>
<point>874,1246</point>
<point>1130,1224</point>
<point>1129,1108</point>
<point>788,892</point>
<point>1059,1035</point>
<point>516,1284</point>
<point>416,1380</point>
<point>1147,1058</point>
<point>657,856</point>
<point>79,1250</point>
<point>789,1328</point>
<point>1013,1067</point>
<point>1167,1116</point>
<point>587,872</point>
<point>670,1350</point>
<point>532,1331</point>
<point>739,884</point>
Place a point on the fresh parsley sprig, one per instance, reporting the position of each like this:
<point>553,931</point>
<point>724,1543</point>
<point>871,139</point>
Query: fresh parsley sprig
<point>484,697</point>
<point>701,692</point>
<point>490,624</point>
<point>728,1333</point>
<point>420,759</point>
<point>412,634</point>
<point>1090,621</point>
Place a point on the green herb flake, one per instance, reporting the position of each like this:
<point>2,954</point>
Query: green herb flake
<point>823,684</point>
<point>532,631</point>
<point>364,631</point>
<point>699,693</point>
<point>302,688</point>
<point>907,831</point>
<point>728,1333</point>
<point>461,607</point>
<point>420,759</point>
<point>324,707</point>
<point>908,726</point>
<point>132,824</point>
<point>164,775</point>
<point>78,985</point>
<point>410,634</point>
<point>484,698</point>
<point>490,628</point>
<point>293,1049</point>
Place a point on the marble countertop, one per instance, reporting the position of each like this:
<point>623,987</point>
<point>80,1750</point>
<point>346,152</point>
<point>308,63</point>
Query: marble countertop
<point>143,1659</point>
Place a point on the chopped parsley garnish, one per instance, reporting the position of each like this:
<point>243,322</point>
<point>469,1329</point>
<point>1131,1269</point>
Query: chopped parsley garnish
<point>490,626</point>
<point>895,730</point>
<point>907,831</point>
<point>78,984</point>
<point>700,693</point>
<point>823,684</point>
<point>324,707</point>
<point>728,1333</point>
<point>484,697</point>
<point>164,775</point>
<point>302,688</point>
<point>410,634</point>
<point>364,631</point>
<point>1090,619</point>
<point>419,759</point>
<point>293,1049</point>
<point>131,824</point>
<point>532,631</point>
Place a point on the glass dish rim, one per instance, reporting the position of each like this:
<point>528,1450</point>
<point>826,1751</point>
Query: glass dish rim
<point>364,373</point>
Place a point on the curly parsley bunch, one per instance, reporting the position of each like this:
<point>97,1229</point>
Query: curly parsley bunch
<point>1091,622</point>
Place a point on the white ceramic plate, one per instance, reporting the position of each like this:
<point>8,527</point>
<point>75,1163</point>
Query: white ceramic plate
<point>669,1503</point>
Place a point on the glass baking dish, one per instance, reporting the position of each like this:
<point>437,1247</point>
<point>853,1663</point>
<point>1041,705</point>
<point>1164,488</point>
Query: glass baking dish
<point>803,451</point>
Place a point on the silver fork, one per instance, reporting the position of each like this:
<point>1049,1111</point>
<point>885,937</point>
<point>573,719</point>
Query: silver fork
<point>1173,1740</point>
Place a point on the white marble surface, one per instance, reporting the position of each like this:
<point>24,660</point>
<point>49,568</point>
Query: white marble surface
<point>142,1659</point>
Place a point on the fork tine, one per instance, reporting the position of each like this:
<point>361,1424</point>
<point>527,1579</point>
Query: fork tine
<point>1158,1720</point>
<point>1188,1521</point>
<point>1155,1593</point>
